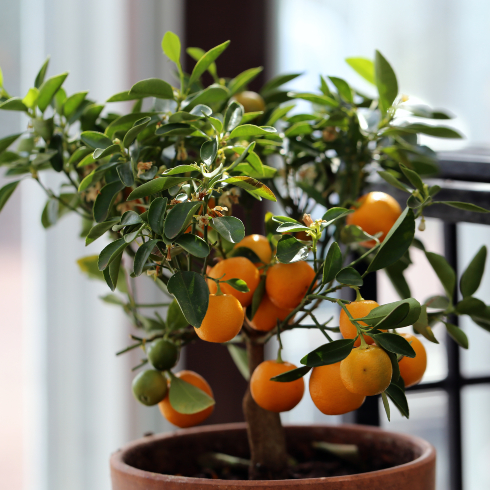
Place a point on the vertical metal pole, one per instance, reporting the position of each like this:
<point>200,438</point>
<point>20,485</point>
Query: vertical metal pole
<point>454,381</point>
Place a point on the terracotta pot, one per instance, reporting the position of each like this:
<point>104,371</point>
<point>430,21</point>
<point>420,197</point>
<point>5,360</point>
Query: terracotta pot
<point>151,462</point>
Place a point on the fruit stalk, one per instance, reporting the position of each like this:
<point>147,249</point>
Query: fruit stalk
<point>266,437</point>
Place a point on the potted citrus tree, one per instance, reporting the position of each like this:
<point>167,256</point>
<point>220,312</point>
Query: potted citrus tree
<point>161,182</point>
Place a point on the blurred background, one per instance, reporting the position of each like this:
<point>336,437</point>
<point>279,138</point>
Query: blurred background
<point>65,398</point>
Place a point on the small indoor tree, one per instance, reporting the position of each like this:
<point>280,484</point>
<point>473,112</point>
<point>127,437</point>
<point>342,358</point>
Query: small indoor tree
<point>161,183</point>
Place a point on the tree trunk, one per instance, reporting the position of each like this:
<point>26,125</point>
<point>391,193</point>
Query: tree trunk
<point>266,436</point>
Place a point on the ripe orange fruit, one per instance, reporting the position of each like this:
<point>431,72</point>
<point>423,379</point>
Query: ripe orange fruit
<point>184,420</point>
<point>251,101</point>
<point>274,395</point>
<point>366,370</point>
<point>357,309</point>
<point>223,320</point>
<point>377,212</point>
<point>328,392</point>
<point>235,267</point>
<point>258,244</point>
<point>267,314</point>
<point>413,369</point>
<point>286,284</point>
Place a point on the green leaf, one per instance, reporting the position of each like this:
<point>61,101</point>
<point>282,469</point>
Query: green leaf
<point>41,74</point>
<point>349,276</point>
<point>142,256</point>
<point>179,217</point>
<point>386,405</point>
<point>238,284</point>
<point>377,315</point>
<point>457,335</point>
<point>240,82</point>
<point>395,366</point>
<point>247,130</point>
<point>105,199</point>
<point>278,81</point>
<point>197,54</point>
<point>175,129</point>
<point>186,398</point>
<point>465,206</point>
<point>30,99</point>
<point>152,87</point>
<point>181,169</point>
<point>385,81</point>
<point>104,152</point>
<point>343,88</point>
<point>233,116</point>
<point>192,294</point>
<point>397,396</point>
<point>470,306</point>
<point>48,89</point>
<point>254,187</point>
<point>240,358</point>
<point>229,227</point>
<point>394,343</point>
<point>171,47</point>
<point>49,215</point>
<point>156,214</point>
<point>13,104</point>
<point>208,58</point>
<point>396,243</point>
<point>438,302</point>
<point>6,142</point>
<point>44,127</point>
<point>333,214</point>
<point>444,272</point>
<point>96,140</point>
<point>99,229</point>
<point>422,327</point>
<point>175,318</point>
<point>258,296</point>
<point>210,95</point>
<point>482,318</point>
<point>333,263</point>
<point>291,228</point>
<point>315,99</point>
<point>391,179</point>
<point>124,123</point>
<point>137,128</point>
<point>125,96</point>
<point>154,186</point>
<point>279,113</point>
<point>472,276</point>
<point>209,150</point>
<point>329,353</point>
<point>111,273</point>
<point>194,245</point>
<point>299,129</point>
<point>6,191</point>
<point>128,218</point>
<point>110,252</point>
<point>435,131</point>
<point>72,103</point>
<point>125,173</point>
<point>363,67</point>
<point>292,375</point>
<point>414,179</point>
<point>290,250</point>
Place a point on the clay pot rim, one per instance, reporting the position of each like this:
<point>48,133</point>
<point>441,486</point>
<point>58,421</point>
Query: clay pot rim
<point>428,454</point>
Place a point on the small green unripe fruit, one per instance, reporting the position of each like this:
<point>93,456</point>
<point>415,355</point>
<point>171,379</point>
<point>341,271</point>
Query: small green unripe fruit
<point>163,354</point>
<point>251,101</point>
<point>150,387</point>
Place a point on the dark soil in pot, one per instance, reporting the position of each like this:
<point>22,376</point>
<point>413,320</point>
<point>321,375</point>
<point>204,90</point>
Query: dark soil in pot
<point>383,457</point>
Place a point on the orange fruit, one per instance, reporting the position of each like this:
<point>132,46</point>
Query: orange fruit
<point>413,369</point>
<point>235,267</point>
<point>366,370</point>
<point>223,320</point>
<point>377,212</point>
<point>251,101</point>
<point>258,244</point>
<point>184,420</point>
<point>286,284</point>
<point>328,392</point>
<point>267,314</point>
<point>274,395</point>
<point>357,309</point>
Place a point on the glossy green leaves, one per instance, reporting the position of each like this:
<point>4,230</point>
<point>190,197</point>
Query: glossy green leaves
<point>186,398</point>
<point>385,81</point>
